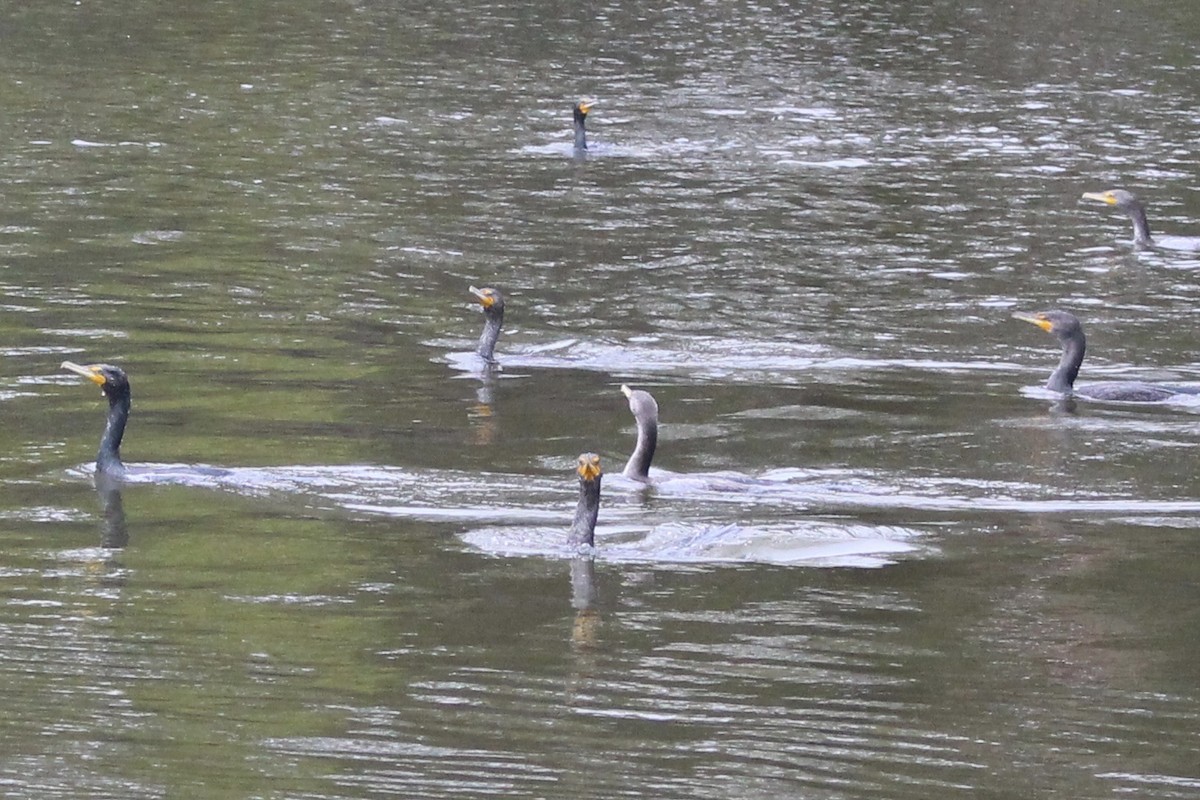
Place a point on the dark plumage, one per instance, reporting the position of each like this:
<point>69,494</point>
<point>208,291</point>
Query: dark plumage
<point>580,112</point>
<point>114,384</point>
<point>1069,332</point>
<point>492,302</point>
<point>583,528</point>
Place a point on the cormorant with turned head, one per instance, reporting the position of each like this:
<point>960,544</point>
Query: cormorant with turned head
<point>645,413</point>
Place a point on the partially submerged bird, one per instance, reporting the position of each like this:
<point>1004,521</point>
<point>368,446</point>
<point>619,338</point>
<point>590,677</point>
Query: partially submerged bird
<point>580,112</point>
<point>583,528</point>
<point>114,385</point>
<point>1131,206</point>
<point>492,302</point>
<point>645,412</point>
<point>1067,328</point>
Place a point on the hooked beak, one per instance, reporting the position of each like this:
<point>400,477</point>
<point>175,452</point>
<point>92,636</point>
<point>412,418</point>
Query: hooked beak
<point>1101,197</point>
<point>1037,319</point>
<point>90,371</point>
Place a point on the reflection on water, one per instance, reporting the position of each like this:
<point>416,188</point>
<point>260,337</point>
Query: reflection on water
<point>115,530</point>
<point>804,227</point>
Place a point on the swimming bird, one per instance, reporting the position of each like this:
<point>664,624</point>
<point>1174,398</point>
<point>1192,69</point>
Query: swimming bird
<point>114,385</point>
<point>583,528</point>
<point>493,313</point>
<point>580,112</point>
<point>1132,207</point>
<point>1067,328</point>
<point>645,412</point>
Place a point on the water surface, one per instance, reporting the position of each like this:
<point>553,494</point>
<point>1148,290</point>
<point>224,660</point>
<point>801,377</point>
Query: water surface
<point>803,227</point>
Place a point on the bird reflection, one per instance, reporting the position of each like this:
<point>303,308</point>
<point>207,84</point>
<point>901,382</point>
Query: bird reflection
<point>482,414</point>
<point>585,627</point>
<point>114,532</point>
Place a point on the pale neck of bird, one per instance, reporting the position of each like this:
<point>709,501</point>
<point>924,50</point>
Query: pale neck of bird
<point>638,466</point>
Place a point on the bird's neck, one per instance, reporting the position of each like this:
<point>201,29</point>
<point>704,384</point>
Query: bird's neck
<point>108,459</point>
<point>580,135</point>
<point>1141,227</point>
<point>638,466</point>
<point>1063,378</point>
<point>491,333</point>
<point>583,528</point>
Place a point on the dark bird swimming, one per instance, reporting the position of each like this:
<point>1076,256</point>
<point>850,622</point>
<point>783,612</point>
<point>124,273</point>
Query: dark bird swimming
<point>1069,332</point>
<point>1129,204</point>
<point>492,302</point>
<point>114,385</point>
<point>580,112</point>
<point>583,528</point>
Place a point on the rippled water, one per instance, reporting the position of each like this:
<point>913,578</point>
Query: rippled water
<point>803,227</point>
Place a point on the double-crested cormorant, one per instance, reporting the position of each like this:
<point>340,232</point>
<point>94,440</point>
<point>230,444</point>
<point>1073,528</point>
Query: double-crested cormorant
<point>580,112</point>
<point>1128,203</point>
<point>583,528</point>
<point>1069,331</point>
<point>493,313</point>
<point>645,411</point>
<point>114,384</point>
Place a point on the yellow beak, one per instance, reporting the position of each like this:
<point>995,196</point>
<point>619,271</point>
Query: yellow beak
<point>91,371</point>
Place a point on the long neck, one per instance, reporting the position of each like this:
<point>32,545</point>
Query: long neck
<point>108,459</point>
<point>1141,228</point>
<point>1063,378</point>
<point>583,528</point>
<point>580,135</point>
<point>638,466</point>
<point>493,318</point>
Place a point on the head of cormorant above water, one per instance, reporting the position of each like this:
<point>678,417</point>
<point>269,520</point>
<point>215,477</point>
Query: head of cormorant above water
<point>1130,205</point>
<point>1066,328</point>
<point>1069,332</point>
<point>580,113</point>
<point>583,528</point>
<point>492,302</point>
<point>114,385</point>
<point>645,411</point>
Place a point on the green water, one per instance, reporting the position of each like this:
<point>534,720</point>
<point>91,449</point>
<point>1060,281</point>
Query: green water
<point>803,227</point>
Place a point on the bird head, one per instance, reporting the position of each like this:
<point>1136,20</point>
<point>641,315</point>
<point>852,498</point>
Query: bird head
<point>1118,198</point>
<point>491,299</point>
<point>588,467</point>
<point>113,381</point>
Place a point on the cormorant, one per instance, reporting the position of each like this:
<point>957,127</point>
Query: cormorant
<point>645,411</point>
<point>583,528</point>
<point>114,384</point>
<point>580,112</point>
<point>1128,203</point>
<point>1066,327</point>
<point>493,312</point>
